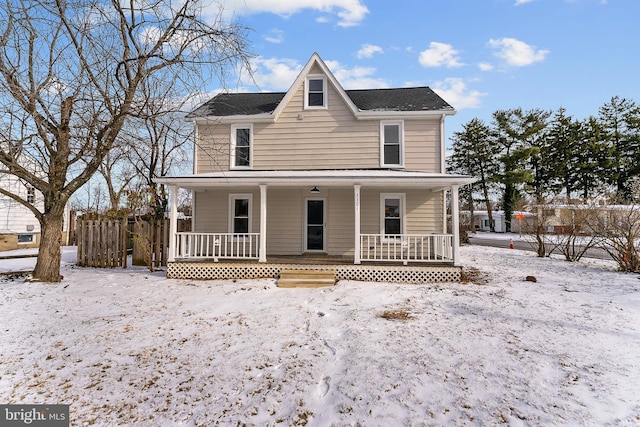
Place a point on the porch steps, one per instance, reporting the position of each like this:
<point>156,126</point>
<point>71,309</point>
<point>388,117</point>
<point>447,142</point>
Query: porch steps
<point>306,278</point>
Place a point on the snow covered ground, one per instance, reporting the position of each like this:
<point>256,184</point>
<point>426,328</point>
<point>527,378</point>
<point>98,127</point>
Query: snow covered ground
<point>129,347</point>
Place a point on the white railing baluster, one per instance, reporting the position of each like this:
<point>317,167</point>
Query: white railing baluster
<point>191,245</point>
<point>406,247</point>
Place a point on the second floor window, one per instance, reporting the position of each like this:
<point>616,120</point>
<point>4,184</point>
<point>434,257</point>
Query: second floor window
<point>31,195</point>
<point>391,135</point>
<point>241,146</point>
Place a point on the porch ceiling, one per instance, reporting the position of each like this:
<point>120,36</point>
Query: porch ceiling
<point>325,178</point>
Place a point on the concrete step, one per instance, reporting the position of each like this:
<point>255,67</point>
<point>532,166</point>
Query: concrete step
<point>306,278</point>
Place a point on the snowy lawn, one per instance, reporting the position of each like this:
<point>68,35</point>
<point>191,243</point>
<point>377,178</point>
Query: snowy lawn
<point>127,347</point>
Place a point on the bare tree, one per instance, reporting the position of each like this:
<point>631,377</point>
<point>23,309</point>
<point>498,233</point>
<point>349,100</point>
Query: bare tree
<point>118,174</point>
<point>71,73</point>
<point>156,143</point>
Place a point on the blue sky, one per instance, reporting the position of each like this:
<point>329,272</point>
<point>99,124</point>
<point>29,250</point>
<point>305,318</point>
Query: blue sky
<point>479,55</point>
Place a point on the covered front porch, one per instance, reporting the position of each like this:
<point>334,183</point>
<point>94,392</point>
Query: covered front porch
<point>378,218</point>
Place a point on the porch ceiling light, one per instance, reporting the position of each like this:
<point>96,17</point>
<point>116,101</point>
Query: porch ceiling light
<point>315,189</point>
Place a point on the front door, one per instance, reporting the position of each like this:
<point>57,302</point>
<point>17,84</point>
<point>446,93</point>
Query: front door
<point>314,225</point>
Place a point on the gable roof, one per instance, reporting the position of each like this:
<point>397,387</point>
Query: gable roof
<point>364,103</point>
<point>371,100</point>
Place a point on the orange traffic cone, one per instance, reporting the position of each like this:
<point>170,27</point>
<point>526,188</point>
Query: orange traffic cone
<point>511,244</point>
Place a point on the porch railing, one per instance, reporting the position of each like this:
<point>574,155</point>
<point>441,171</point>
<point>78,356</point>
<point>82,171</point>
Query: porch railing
<point>217,245</point>
<point>406,247</point>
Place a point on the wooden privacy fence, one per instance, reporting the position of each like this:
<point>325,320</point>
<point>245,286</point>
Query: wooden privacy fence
<point>106,243</point>
<point>102,243</point>
<point>150,242</point>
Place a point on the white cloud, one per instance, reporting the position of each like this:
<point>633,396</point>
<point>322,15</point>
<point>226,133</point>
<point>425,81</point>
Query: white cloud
<point>516,53</point>
<point>273,74</point>
<point>274,36</point>
<point>485,66</point>
<point>278,74</point>
<point>356,77</point>
<point>349,12</point>
<point>455,91</point>
<point>368,50</point>
<point>519,2</point>
<point>438,55</point>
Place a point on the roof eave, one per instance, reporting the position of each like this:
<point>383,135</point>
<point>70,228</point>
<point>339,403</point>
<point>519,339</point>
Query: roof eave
<point>383,115</point>
<point>436,183</point>
<point>238,118</point>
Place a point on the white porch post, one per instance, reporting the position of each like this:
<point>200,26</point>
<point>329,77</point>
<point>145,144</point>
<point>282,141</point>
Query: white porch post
<point>173,222</point>
<point>356,203</point>
<point>263,223</point>
<point>455,225</point>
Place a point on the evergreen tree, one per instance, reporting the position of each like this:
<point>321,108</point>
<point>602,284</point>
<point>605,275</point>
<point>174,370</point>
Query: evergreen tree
<point>475,153</point>
<point>590,163</point>
<point>517,133</point>
<point>561,142</point>
<point>619,121</point>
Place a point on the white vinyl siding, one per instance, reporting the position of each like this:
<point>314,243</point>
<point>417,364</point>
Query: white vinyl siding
<point>331,138</point>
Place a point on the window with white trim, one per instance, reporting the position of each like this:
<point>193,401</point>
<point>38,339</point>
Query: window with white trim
<point>392,209</point>
<point>240,213</point>
<point>391,143</point>
<point>315,92</point>
<point>31,195</point>
<point>241,146</point>
<point>25,238</point>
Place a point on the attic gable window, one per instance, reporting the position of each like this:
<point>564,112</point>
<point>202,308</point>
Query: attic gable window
<point>391,144</point>
<point>241,146</point>
<point>315,92</point>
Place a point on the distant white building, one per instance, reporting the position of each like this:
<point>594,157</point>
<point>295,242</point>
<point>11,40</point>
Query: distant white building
<point>19,227</point>
<point>521,222</point>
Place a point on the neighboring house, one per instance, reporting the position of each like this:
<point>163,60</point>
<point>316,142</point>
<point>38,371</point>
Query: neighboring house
<point>19,228</point>
<point>521,222</point>
<point>349,176</point>
<point>585,219</point>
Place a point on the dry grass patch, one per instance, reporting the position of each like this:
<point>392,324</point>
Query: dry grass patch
<point>473,275</point>
<point>397,314</point>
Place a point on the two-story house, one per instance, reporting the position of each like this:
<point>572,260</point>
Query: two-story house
<point>348,178</point>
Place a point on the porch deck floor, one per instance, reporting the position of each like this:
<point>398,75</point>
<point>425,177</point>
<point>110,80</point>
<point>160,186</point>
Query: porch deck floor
<point>317,259</point>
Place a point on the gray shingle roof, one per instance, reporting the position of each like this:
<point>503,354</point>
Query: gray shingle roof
<point>399,99</point>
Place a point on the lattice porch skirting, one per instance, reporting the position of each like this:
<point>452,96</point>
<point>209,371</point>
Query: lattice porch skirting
<point>366,273</point>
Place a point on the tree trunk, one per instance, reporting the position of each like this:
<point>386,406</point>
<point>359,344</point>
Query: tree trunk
<point>492,226</point>
<point>48,265</point>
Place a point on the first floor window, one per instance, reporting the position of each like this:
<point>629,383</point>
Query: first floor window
<point>392,206</point>
<point>240,214</point>
<point>25,238</point>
